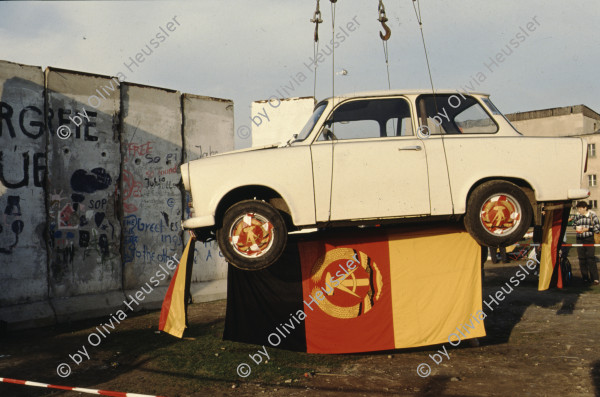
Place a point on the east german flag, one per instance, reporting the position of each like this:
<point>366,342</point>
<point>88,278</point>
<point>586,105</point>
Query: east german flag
<point>553,231</point>
<point>362,291</point>
<point>173,314</point>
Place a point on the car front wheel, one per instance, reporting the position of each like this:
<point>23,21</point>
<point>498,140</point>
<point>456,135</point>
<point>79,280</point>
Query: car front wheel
<point>498,214</point>
<point>252,235</point>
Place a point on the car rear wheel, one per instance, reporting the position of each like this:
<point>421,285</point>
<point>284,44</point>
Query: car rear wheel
<point>498,214</point>
<point>252,235</point>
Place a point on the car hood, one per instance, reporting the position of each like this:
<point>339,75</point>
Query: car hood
<point>250,149</point>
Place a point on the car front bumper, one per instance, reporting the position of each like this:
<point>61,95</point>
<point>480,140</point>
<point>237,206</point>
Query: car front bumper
<point>198,222</point>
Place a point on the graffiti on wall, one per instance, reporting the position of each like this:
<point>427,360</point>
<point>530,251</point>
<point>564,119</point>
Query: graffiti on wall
<point>11,225</point>
<point>147,179</point>
<point>30,122</point>
<point>75,201</point>
<point>80,222</point>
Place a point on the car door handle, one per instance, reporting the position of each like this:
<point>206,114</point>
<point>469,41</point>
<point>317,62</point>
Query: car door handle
<point>415,147</point>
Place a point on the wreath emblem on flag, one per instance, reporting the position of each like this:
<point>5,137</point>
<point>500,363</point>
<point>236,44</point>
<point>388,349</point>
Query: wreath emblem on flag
<point>350,289</point>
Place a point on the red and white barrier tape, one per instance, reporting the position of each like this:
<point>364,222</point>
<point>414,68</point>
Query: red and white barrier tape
<point>78,389</point>
<point>563,245</point>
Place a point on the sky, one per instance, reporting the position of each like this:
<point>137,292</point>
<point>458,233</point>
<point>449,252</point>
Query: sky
<point>252,50</point>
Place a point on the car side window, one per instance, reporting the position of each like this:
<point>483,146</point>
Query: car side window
<point>453,114</point>
<point>372,118</point>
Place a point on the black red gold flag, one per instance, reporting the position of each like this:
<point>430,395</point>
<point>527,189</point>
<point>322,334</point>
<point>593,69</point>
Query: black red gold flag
<point>361,291</point>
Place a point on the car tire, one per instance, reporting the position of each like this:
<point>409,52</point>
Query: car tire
<point>252,235</point>
<point>482,212</point>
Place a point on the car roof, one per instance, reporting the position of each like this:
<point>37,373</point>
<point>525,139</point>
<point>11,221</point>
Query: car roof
<point>379,93</point>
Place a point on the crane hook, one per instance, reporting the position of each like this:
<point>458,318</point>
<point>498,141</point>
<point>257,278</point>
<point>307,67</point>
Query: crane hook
<point>388,31</point>
<point>383,19</point>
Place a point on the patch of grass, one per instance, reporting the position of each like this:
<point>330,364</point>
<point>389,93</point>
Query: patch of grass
<point>202,356</point>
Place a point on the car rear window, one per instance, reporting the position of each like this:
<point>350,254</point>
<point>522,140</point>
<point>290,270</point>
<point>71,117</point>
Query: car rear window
<point>453,114</point>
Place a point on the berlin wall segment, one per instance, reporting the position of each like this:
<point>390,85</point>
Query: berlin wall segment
<point>215,115</point>
<point>23,270</point>
<point>76,218</point>
<point>151,197</point>
<point>84,211</point>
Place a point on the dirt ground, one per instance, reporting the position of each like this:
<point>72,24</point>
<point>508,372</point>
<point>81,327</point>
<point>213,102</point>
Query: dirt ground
<point>537,344</point>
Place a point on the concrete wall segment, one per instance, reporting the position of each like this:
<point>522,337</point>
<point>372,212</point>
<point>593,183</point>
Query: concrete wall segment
<point>207,129</point>
<point>23,265</point>
<point>84,230</point>
<point>151,145</point>
<point>83,223</point>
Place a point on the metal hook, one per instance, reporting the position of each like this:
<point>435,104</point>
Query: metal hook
<point>388,31</point>
<point>383,19</point>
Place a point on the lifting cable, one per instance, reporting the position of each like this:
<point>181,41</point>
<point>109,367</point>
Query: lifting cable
<point>420,20</point>
<point>316,19</point>
<point>333,48</point>
<point>333,105</point>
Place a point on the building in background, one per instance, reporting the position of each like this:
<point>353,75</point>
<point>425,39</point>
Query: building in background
<point>578,121</point>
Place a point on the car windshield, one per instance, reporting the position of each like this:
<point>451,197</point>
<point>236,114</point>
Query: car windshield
<point>308,127</point>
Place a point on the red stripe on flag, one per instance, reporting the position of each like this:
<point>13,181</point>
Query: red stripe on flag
<point>166,305</point>
<point>556,227</point>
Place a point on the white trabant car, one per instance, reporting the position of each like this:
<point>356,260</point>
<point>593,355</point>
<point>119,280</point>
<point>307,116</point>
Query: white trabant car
<point>384,157</point>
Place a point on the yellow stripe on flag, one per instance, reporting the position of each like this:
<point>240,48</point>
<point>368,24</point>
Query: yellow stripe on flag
<point>436,287</point>
<point>546,257</point>
<point>172,313</point>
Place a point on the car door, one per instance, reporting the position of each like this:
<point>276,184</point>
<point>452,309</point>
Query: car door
<point>467,137</point>
<point>378,164</point>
